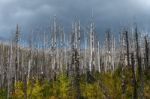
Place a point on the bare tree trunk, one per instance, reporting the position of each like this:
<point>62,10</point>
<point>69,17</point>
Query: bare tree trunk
<point>17,53</point>
<point>140,69</point>
<point>134,77</point>
<point>25,85</point>
<point>98,57</point>
<point>127,46</point>
<point>147,67</point>
<point>77,75</point>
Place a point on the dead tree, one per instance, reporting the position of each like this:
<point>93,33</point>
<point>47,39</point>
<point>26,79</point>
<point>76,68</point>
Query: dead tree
<point>98,57</point>
<point>91,47</point>
<point>134,77</point>
<point>127,47</point>
<point>17,35</point>
<point>139,65</point>
<point>10,71</point>
<point>75,62</point>
<point>122,62</point>
<point>54,30</point>
<point>147,67</point>
<point>108,50</point>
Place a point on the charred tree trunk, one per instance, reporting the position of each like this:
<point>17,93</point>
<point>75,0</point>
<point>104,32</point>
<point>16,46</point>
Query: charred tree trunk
<point>127,46</point>
<point>75,70</point>
<point>134,77</point>
<point>139,68</point>
<point>16,55</point>
<point>25,85</point>
<point>147,67</point>
<point>77,75</point>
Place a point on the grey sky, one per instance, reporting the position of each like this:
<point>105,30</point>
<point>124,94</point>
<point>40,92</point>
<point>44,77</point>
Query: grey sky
<point>107,14</point>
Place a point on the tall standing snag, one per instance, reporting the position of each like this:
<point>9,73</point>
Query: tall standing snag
<point>134,77</point>
<point>147,67</point>
<point>139,64</point>
<point>17,53</point>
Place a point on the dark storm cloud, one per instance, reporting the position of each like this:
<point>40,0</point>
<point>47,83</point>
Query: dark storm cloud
<point>107,13</point>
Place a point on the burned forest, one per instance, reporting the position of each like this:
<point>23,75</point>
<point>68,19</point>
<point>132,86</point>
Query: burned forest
<point>78,64</point>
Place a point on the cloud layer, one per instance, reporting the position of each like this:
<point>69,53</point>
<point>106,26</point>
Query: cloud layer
<point>107,14</point>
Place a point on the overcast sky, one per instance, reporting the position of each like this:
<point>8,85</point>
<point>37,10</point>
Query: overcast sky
<point>113,14</point>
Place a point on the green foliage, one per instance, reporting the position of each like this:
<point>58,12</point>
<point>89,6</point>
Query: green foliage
<point>91,91</point>
<point>129,83</point>
<point>36,91</point>
<point>58,88</point>
<point>18,94</point>
<point>147,86</point>
<point>47,89</point>
<point>106,84</point>
<point>63,84</point>
<point>3,93</point>
<point>147,90</point>
<point>112,84</point>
